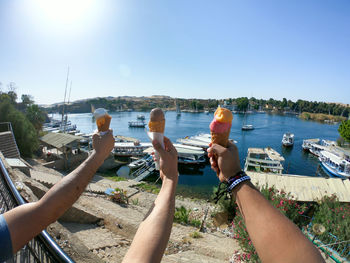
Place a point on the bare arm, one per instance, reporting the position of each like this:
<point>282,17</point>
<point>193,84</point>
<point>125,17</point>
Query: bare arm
<point>274,236</point>
<point>27,221</point>
<point>153,234</point>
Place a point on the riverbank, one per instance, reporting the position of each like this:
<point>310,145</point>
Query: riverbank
<point>326,118</point>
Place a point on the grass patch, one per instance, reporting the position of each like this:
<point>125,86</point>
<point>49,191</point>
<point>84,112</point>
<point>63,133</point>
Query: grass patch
<point>112,176</point>
<point>195,234</point>
<point>151,188</point>
<point>182,216</point>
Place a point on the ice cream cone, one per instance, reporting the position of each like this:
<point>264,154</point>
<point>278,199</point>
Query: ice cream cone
<point>103,120</point>
<point>220,127</point>
<point>156,130</point>
<point>220,138</point>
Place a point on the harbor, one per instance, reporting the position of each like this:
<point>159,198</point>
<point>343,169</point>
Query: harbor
<point>191,130</point>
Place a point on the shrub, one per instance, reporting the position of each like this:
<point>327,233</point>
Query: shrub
<point>279,199</point>
<point>24,131</point>
<point>195,234</point>
<point>335,217</point>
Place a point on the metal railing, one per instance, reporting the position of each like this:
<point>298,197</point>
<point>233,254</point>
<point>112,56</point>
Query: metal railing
<point>40,249</point>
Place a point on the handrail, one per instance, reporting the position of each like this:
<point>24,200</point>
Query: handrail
<point>53,248</point>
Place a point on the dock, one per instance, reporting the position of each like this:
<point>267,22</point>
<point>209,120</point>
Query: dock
<point>304,188</point>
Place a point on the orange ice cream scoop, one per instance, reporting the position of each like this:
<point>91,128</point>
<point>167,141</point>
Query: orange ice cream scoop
<point>157,121</point>
<point>103,119</point>
<point>223,115</point>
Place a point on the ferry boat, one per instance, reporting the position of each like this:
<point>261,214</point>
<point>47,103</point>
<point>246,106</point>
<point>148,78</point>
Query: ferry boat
<point>247,127</point>
<point>288,139</point>
<point>334,165</point>
<point>265,160</point>
<point>128,149</point>
<point>307,144</point>
<point>187,155</point>
<point>137,124</point>
<point>141,117</point>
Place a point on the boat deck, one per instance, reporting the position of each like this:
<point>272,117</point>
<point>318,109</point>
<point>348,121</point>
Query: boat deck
<point>304,188</point>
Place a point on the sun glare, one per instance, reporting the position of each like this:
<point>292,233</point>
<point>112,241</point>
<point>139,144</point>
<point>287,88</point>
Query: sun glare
<point>63,15</point>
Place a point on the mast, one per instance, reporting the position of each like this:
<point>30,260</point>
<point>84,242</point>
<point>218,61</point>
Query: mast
<point>64,100</point>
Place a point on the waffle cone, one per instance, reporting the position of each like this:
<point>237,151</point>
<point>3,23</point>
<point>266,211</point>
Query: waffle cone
<point>156,126</point>
<point>220,138</point>
<point>103,123</point>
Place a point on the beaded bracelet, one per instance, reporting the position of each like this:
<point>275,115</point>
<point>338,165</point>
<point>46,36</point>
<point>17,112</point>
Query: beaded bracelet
<point>236,180</point>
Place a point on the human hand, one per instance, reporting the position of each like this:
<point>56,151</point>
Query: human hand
<point>168,159</point>
<point>103,144</point>
<point>224,161</point>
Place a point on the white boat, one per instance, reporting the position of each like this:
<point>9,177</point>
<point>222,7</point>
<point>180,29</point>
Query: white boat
<point>288,139</point>
<point>186,154</point>
<point>334,165</point>
<point>137,124</point>
<point>265,160</point>
<point>206,112</point>
<point>193,142</point>
<point>247,127</point>
<point>307,144</point>
<point>141,117</point>
<point>130,148</point>
<point>140,162</point>
<point>316,149</point>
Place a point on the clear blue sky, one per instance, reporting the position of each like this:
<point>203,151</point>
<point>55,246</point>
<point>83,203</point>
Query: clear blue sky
<point>189,49</point>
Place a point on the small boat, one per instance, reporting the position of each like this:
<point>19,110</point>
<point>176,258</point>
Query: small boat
<point>288,139</point>
<point>206,112</point>
<point>141,117</point>
<point>140,162</point>
<point>264,161</point>
<point>137,124</point>
<point>247,127</point>
<point>334,165</point>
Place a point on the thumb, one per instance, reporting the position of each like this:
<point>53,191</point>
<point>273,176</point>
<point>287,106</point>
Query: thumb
<point>217,149</point>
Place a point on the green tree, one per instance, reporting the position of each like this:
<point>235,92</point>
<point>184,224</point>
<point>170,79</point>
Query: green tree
<point>27,99</point>
<point>344,130</point>
<point>36,116</point>
<point>242,103</point>
<point>24,131</point>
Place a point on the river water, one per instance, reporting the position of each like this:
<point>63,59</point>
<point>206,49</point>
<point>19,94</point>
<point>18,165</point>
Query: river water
<point>268,131</point>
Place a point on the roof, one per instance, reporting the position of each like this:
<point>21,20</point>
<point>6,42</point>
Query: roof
<point>273,155</point>
<point>334,158</point>
<point>59,140</point>
<point>256,150</point>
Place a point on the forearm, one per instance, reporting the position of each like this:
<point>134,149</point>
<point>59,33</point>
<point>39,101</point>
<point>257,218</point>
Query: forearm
<point>275,237</point>
<point>28,220</point>
<point>153,234</point>
<point>62,195</point>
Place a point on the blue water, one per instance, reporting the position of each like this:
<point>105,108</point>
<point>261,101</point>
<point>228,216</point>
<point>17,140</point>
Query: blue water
<point>268,131</point>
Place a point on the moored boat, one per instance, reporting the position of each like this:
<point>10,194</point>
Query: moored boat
<point>334,165</point>
<point>247,127</point>
<point>137,124</point>
<point>265,160</point>
<point>288,139</point>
